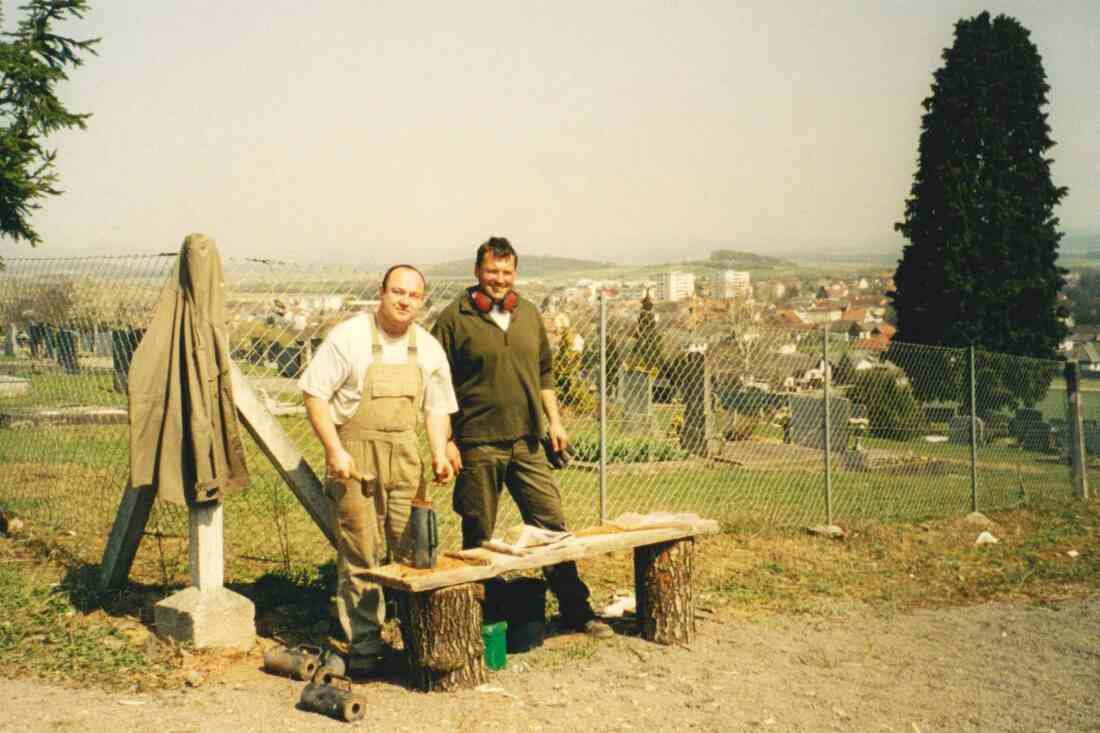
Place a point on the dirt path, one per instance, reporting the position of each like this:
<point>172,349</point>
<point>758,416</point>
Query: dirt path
<point>987,668</point>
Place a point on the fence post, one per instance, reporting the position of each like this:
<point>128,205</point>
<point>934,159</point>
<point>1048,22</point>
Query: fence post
<point>1075,432</point>
<point>603,408</point>
<point>973,437</point>
<point>828,427</point>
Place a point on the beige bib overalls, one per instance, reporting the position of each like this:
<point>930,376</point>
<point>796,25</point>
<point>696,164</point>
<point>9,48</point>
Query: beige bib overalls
<point>381,438</point>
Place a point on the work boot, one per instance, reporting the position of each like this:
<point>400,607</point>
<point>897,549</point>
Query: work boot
<point>587,623</point>
<point>596,629</point>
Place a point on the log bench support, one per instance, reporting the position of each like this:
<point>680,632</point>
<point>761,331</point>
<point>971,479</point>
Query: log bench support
<point>662,590</point>
<point>442,635</point>
<point>440,609</point>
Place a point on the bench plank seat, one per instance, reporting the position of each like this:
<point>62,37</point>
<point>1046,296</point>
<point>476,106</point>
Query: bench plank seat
<point>484,564</point>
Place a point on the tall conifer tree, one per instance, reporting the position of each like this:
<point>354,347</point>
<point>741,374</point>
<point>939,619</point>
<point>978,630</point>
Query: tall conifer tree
<point>980,267</point>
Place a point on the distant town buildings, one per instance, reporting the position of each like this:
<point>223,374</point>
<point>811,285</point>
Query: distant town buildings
<point>674,286</point>
<point>730,284</point>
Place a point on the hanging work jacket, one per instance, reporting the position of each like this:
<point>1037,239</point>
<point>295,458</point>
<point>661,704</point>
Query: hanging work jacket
<point>185,442</point>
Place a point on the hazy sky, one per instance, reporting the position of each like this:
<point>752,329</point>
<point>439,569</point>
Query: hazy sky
<point>375,132</point>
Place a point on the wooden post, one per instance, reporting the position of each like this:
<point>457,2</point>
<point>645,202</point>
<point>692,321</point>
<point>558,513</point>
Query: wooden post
<point>126,534</point>
<point>283,454</point>
<point>1075,432</point>
<point>442,635</point>
<point>663,592</point>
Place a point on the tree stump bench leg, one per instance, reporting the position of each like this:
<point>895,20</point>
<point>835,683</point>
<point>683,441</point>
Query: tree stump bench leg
<point>442,635</point>
<point>663,591</point>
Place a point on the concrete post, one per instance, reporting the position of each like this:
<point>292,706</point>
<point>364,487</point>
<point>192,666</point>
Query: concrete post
<point>207,614</point>
<point>207,546</point>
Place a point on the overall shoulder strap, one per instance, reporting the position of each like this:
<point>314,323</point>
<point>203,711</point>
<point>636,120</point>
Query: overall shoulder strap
<point>412,344</point>
<point>375,339</point>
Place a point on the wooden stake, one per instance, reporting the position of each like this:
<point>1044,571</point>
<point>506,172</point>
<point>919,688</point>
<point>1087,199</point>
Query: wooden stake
<point>126,534</point>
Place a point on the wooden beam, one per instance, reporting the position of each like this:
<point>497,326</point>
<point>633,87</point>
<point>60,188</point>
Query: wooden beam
<point>126,534</point>
<point>283,454</point>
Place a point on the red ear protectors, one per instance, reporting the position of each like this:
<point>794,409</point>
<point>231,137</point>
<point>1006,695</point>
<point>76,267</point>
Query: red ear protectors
<point>484,303</point>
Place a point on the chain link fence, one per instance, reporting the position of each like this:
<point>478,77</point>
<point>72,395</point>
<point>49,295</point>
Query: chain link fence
<point>714,407</point>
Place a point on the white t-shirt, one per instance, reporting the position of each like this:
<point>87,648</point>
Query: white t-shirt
<point>337,370</point>
<point>501,317</point>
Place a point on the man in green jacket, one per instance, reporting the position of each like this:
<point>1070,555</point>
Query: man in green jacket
<point>500,363</point>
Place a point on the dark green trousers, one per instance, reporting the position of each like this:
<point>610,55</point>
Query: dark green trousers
<point>520,466</point>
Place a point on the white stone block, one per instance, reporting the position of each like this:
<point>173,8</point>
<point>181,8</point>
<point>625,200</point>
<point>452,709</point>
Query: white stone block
<point>211,618</point>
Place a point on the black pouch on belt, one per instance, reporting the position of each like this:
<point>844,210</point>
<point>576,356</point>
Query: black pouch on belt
<point>558,460</point>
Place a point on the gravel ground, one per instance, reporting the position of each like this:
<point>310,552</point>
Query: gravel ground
<point>981,668</point>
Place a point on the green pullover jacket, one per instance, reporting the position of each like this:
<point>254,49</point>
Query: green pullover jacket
<point>498,375</point>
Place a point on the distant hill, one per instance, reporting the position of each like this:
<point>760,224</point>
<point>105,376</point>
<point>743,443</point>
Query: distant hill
<point>1083,245</point>
<point>729,259</point>
<point>529,266</point>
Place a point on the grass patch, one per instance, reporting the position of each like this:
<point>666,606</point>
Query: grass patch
<point>51,387</point>
<point>56,627</point>
<point>753,572</point>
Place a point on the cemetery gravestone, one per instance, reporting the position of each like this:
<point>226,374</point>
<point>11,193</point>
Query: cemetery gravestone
<point>103,343</point>
<point>958,430</point>
<point>698,429</point>
<point>289,361</point>
<point>1092,438</point>
<point>636,393</point>
<point>807,424</point>
<point>1030,430</point>
<point>67,341</point>
<point>123,344</point>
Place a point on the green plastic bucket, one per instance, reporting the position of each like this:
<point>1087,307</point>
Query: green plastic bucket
<point>495,637</point>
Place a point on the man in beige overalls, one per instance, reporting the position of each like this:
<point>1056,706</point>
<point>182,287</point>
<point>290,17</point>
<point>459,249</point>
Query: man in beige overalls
<point>365,390</point>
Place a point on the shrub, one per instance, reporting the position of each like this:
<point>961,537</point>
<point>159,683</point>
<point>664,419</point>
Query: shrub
<point>892,411</point>
<point>635,449</point>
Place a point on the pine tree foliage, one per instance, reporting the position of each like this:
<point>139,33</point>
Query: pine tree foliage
<point>34,59</point>
<point>648,353</point>
<point>980,266</point>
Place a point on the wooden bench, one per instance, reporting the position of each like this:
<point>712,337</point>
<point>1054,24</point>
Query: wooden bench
<point>440,608</point>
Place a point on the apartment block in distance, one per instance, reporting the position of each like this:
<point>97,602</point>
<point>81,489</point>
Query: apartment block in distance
<point>730,284</point>
<point>674,286</point>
